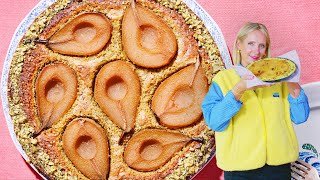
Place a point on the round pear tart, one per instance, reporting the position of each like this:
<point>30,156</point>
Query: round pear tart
<point>105,89</point>
<point>272,69</point>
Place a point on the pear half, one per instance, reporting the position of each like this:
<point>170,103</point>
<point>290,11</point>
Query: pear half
<point>177,101</point>
<point>117,91</point>
<point>150,149</point>
<point>86,145</point>
<point>147,40</point>
<point>84,35</point>
<point>55,93</point>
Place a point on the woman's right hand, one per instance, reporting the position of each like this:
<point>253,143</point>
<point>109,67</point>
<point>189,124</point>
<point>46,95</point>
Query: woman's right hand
<point>241,86</point>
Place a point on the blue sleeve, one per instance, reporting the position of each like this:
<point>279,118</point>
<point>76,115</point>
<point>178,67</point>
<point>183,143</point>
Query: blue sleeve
<point>299,108</point>
<point>217,109</point>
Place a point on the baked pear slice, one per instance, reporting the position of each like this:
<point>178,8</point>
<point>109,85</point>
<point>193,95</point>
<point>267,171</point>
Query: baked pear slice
<point>86,145</point>
<point>117,91</point>
<point>87,34</point>
<point>55,93</point>
<point>147,40</point>
<point>149,149</point>
<point>177,101</point>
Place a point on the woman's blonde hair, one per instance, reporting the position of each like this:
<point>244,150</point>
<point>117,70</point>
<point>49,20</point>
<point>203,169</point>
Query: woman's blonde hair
<point>242,34</point>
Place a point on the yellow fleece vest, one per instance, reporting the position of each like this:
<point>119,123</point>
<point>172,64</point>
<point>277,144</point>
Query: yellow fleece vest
<point>261,132</point>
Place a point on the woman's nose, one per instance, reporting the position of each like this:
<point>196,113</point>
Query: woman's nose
<point>256,50</point>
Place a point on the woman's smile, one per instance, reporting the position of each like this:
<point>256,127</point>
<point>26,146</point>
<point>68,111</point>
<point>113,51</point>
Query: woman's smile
<point>255,57</point>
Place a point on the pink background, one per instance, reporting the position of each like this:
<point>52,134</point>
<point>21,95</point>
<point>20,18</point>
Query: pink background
<point>293,24</point>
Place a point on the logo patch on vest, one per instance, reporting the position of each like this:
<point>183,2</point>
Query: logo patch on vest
<point>276,94</point>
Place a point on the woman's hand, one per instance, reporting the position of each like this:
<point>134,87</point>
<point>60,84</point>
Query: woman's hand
<point>241,86</point>
<point>303,170</point>
<point>294,89</point>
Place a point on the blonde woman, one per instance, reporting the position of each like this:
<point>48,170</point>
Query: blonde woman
<point>255,138</point>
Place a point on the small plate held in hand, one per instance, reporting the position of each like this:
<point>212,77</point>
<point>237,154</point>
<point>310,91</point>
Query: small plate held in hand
<point>272,69</point>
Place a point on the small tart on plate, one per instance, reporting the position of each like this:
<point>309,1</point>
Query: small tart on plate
<point>272,69</point>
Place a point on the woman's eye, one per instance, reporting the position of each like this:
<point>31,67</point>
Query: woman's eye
<point>262,46</point>
<point>251,43</point>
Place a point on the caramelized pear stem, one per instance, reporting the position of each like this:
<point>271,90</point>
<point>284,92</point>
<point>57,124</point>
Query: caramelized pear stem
<point>198,139</point>
<point>41,41</point>
<point>135,13</point>
<point>121,139</point>
<point>124,136</point>
<point>47,42</point>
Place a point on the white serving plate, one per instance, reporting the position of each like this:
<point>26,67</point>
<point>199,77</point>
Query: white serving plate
<point>308,133</point>
<point>41,6</point>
